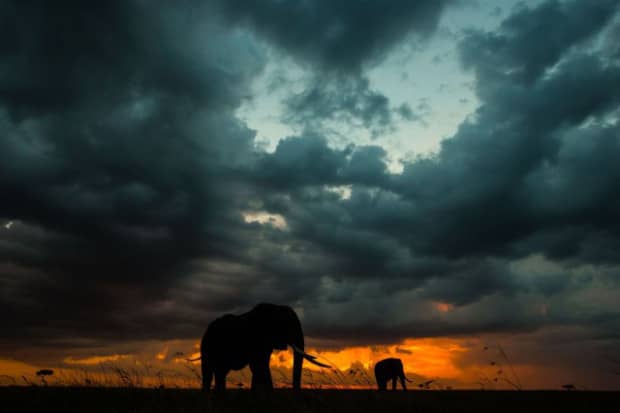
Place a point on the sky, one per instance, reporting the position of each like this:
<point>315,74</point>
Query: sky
<point>431,180</point>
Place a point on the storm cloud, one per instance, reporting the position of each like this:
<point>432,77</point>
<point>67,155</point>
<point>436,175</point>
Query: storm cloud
<point>138,197</point>
<point>113,136</point>
<point>338,41</point>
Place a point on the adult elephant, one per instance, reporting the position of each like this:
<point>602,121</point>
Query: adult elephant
<point>390,369</point>
<point>232,342</point>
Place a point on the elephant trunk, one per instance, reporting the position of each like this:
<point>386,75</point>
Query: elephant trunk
<point>298,360</point>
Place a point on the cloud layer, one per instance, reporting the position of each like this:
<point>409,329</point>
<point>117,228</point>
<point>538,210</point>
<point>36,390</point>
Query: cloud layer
<point>129,178</point>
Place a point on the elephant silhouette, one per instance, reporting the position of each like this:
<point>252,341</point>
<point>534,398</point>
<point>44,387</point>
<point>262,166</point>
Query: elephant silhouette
<point>390,369</point>
<point>232,342</point>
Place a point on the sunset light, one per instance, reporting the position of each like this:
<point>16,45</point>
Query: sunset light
<point>309,205</point>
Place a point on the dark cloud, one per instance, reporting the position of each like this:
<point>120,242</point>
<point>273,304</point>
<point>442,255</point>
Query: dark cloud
<point>139,200</point>
<point>341,36</point>
<point>478,180</point>
<point>304,161</point>
<point>422,110</point>
<point>533,172</point>
<point>301,161</point>
<point>337,41</point>
<point>529,41</point>
<point>349,100</point>
<point>116,144</point>
<point>346,100</point>
<point>419,115</point>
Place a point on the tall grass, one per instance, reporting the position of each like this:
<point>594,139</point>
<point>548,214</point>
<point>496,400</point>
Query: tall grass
<point>501,370</point>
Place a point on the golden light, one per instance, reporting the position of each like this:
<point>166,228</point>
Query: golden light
<point>443,307</point>
<point>162,354</point>
<point>432,358</point>
<point>455,362</point>
<point>94,360</point>
<point>15,369</point>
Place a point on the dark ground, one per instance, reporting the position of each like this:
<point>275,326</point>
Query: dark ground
<point>71,399</point>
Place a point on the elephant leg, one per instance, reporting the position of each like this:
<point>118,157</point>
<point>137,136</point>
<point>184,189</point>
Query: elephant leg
<point>381,380</point>
<point>261,375</point>
<point>255,380</point>
<point>402,381</point>
<point>207,375</point>
<point>393,383</point>
<point>267,372</point>
<point>220,380</point>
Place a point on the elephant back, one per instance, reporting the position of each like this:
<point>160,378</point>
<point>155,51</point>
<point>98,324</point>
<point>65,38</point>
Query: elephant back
<point>225,341</point>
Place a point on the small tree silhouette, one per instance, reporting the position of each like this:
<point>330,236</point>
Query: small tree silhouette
<point>44,372</point>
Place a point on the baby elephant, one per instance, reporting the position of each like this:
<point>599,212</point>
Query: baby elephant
<point>390,369</point>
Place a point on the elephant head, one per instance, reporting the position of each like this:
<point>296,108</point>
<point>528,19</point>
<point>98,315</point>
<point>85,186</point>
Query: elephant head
<point>233,341</point>
<point>281,328</point>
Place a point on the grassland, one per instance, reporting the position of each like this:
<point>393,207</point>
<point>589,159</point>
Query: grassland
<point>75,399</point>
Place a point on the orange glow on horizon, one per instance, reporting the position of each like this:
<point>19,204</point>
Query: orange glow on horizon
<point>459,362</point>
<point>352,367</point>
<point>429,357</point>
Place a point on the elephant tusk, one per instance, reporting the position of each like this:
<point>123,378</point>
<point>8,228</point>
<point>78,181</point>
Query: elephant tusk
<point>311,359</point>
<point>196,359</point>
<point>296,349</point>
